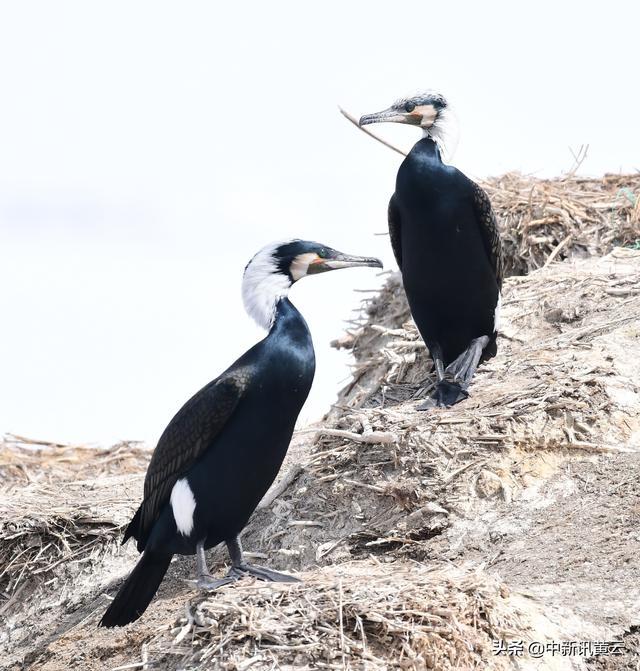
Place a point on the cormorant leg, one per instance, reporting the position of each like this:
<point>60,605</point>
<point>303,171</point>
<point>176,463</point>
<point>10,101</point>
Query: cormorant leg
<point>445,392</point>
<point>439,365</point>
<point>205,579</point>
<point>240,568</point>
<point>464,367</point>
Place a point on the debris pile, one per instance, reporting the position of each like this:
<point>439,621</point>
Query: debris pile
<point>421,538</point>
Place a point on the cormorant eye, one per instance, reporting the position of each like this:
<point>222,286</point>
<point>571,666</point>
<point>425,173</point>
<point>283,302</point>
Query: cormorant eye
<point>409,107</point>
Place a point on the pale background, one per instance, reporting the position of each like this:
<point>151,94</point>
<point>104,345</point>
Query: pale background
<point>148,149</point>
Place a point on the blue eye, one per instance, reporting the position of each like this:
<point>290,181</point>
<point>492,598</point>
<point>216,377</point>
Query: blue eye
<point>409,107</point>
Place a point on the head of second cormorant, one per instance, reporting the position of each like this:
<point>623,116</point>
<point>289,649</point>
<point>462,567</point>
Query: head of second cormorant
<point>275,268</point>
<point>429,110</point>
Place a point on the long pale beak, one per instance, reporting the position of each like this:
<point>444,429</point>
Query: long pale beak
<point>391,115</point>
<point>339,260</point>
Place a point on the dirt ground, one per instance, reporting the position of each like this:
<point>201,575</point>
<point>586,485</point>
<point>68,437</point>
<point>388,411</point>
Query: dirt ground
<point>424,540</point>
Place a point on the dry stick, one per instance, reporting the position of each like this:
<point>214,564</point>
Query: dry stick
<point>373,438</point>
<point>32,441</point>
<point>556,251</point>
<point>13,598</point>
<point>134,665</point>
<point>455,474</point>
<point>275,492</point>
<point>354,121</point>
<point>344,665</point>
<point>578,158</point>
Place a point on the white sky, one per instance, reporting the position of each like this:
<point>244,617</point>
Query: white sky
<point>148,149</point>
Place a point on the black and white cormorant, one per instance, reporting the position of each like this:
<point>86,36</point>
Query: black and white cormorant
<point>221,452</point>
<point>446,242</point>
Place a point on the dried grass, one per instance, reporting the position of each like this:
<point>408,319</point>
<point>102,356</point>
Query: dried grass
<point>542,219</point>
<point>383,480</point>
<point>359,615</point>
<point>62,505</point>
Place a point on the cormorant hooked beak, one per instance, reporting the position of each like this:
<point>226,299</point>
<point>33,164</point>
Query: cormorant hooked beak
<point>392,114</point>
<point>335,260</point>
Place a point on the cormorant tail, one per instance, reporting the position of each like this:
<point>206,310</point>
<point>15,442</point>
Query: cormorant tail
<point>132,529</point>
<point>137,591</point>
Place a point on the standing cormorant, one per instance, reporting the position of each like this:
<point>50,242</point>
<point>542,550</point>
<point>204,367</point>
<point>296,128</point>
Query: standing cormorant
<point>445,239</point>
<point>222,451</point>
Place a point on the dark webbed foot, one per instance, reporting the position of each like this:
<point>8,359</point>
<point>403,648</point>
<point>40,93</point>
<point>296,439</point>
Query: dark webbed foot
<point>237,572</point>
<point>445,394</point>
<point>209,583</point>
<point>453,389</point>
<point>463,368</point>
<point>238,569</point>
<point>261,573</point>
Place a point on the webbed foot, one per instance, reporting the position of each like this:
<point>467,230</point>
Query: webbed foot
<point>261,573</point>
<point>463,368</point>
<point>445,394</point>
<point>208,582</point>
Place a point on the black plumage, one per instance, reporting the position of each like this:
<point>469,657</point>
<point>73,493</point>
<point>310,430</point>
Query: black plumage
<point>223,449</point>
<point>445,240</point>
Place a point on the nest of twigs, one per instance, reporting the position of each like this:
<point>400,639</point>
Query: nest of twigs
<point>355,616</point>
<point>543,219</point>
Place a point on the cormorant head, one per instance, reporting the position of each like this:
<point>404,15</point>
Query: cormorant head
<point>420,110</point>
<point>271,272</point>
<point>430,111</point>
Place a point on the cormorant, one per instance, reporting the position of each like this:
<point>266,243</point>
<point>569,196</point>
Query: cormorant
<point>221,452</point>
<point>445,239</point>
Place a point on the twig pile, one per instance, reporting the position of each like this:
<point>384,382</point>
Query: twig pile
<point>542,219</point>
<point>353,616</point>
<point>50,518</point>
<point>24,460</point>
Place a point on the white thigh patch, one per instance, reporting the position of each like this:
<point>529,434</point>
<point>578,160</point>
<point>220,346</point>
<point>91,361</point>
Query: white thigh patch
<point>183,504</point>
<point>496,314</point>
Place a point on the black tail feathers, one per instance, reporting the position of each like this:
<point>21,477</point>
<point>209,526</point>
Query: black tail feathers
<point>137,591</point>
<point>133,527</point>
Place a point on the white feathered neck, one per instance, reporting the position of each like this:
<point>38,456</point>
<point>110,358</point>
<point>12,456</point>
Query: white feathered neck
<point>445,132</point>
<point>264,285</point>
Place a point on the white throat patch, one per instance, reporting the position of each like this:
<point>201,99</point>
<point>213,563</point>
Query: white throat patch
<point>445,133</point>
<point>300,265</point>
<point>263,286</point>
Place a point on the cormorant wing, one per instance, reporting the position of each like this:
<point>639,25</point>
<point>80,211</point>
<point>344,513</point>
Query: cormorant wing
<point>393,217</point>
<point>488,225</point>
<point>186,438</point>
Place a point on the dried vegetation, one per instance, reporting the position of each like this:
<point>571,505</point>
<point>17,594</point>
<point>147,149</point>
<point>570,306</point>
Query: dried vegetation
<point>392,515</point>
<point>61,506</point>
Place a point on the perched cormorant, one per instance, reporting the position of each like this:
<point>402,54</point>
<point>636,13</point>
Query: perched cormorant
<point>445,239</point>
<point>222,451</point>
